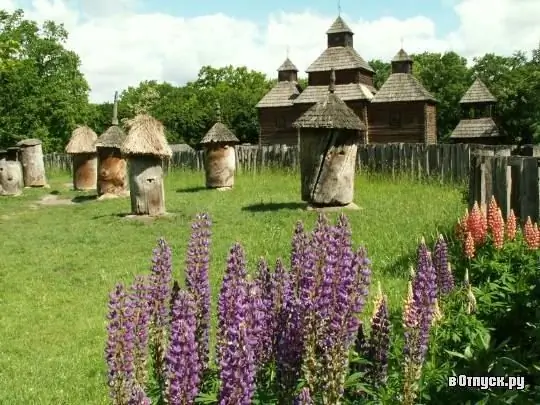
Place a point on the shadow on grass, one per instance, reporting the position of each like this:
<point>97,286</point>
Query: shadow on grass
<point>265,207</point>
<point>84,198</point>
<point>190,189</point>
<point>55,192</point>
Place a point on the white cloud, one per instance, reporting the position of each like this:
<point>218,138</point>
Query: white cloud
<point>120,47</point>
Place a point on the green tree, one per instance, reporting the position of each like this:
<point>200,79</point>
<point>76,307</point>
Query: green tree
<point>515,82</point>
<point>447,77</point>
<point>382,71</point>
<point>43,94</point>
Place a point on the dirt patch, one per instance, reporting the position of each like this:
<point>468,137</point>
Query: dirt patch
<point>351,206</point>
<point>52,199</point>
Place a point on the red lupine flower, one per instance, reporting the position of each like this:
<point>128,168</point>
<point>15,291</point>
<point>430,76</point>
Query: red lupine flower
<point>511,226</point>
<point>476,224</point>
<point>530,233</point>
<point>497,229</point>
<point>468,247</point>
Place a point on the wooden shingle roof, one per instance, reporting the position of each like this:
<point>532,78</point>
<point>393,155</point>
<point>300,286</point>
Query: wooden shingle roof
<point>346,92</point>
<point>339,26</point>
<point>402,56</point>
<point>287,66</point>
<point>282,94</point>
<point>219,133</point>
<point>478,93</point>
<point>401,87</point>
<point>476,128</point>
<point>113,137</point>
<point>330,112</point>
<point>339,58</point>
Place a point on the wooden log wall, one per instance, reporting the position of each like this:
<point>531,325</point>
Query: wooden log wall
<point>512,180</point>
<point>445,162</point>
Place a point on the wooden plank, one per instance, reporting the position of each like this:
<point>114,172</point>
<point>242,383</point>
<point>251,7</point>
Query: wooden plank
<point>529,189</point>
<point>502,184</point>
<point>515,164</point>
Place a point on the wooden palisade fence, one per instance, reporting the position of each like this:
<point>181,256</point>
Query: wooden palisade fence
<point>512,180</point>
<point>447,162</point>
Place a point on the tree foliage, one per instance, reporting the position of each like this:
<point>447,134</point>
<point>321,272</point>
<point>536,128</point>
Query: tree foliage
<point>43,94</point>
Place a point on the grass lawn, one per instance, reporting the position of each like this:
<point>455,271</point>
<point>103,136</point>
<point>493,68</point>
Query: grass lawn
<point>59,262</point>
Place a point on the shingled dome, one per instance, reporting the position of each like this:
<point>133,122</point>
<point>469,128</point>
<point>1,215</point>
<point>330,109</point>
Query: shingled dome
<point>146,136</point>
<point>476,128</point>
<point>113,137</point>
<point>478,93</point>
<point>330,112</point>
<point>402,87</point>
<point>287,66</point>
<point>83,140</point>
<point>402,56</point>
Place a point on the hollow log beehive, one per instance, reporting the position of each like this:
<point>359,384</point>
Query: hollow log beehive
<point>220,156</point>
<point>146,146</point>
<point>329,133</point>
<point>11,175</point>
<point>82,147</point>
<point>33,165</point>
<point>112,167</point>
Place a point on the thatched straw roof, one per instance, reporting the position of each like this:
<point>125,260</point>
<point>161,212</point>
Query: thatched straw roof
<point>113,137</point>
<point>146,136</point>
<point>476,128</point>
<point>330,112</point>
<point>219,133</point>
<point>478,93</point>
<point>29,142</point>
<point>83,140</point>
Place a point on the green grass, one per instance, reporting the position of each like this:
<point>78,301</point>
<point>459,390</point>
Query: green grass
<point>58,263</point>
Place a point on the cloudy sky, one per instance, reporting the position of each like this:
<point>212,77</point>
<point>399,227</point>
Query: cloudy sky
<point>122,42</point>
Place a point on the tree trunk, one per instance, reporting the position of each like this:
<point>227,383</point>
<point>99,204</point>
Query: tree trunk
<point>146,185</point>
<point>220,165</point>
<point>33,166</point>
<point>112,173</point>
<point>84,171</point>
<point>11,178</point>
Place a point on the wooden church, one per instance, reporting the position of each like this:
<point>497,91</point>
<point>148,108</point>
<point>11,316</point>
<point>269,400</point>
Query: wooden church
<point>354,85</point>
<point>401,111</point>
<point>477,126</point>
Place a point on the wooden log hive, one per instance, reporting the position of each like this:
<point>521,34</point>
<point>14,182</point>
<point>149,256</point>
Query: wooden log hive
<point>220,156</point>
<point>112,177</point>
<point>146,146</point>
<point>11,175</point>
<point>329,133</point>
<point>33,165</point>
<point>82,147</point>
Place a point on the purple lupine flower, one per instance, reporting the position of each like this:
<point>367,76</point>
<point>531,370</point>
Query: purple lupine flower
<point>304,397</point>
<point>362,272</point>
<point>182,363</point>
<point>425,294</point>
<point>139,397</point>
<point>236,340</point>
<point>445,279</point>
<point>289,339</point>
<point>161,291</point>
<point>113,348</point>
<point>120,348</point>
<point>265,313</point>
<point>379,342</point>
<point>411,350</point>
<point>197,281</point>
<point>141,296</point>
<point>299,245</point>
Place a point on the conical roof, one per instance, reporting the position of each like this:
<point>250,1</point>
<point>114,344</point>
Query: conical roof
<point>478,93</point>
<point>83,140</point>
<point>287,66</point>
<point>146,136</point>
<point>330,112</point>
<point>219,133</point>
<point>402,56</point>
<point>339,26</point>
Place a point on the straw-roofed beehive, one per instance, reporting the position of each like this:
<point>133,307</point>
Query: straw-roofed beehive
<point>112,167</point>
<point>146,146</point>
<point>329,133</point>
<point>33,165</point>
<point>220,156</point>
<point>11,175</point>
<point>82,147</point>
